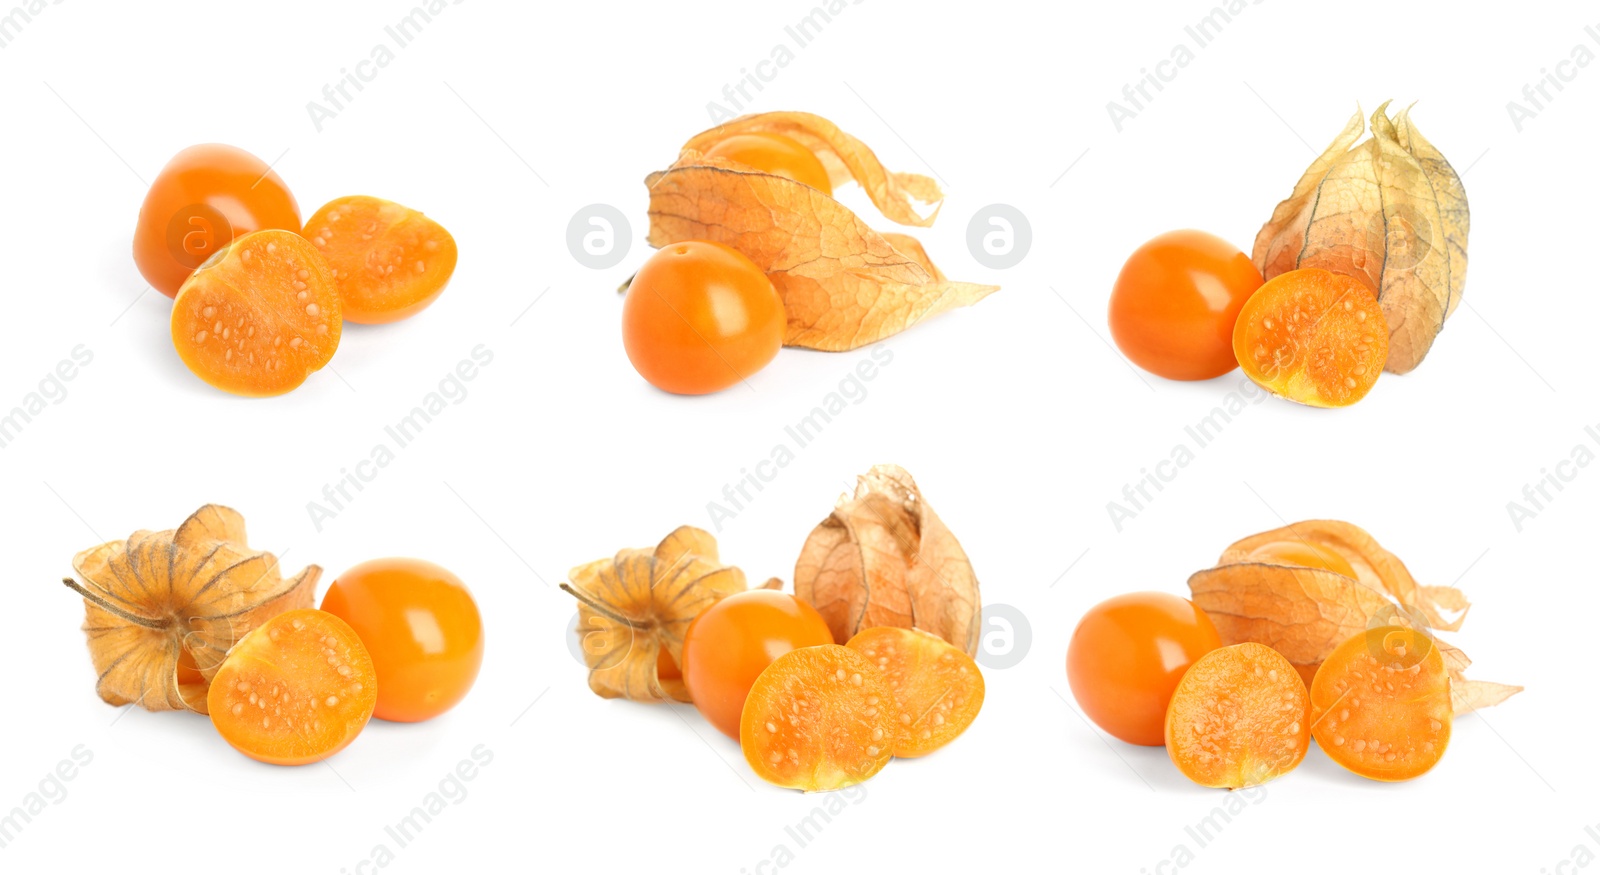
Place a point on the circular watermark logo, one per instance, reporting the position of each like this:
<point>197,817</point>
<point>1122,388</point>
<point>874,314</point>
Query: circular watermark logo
<point>195,233</point>
<point>607,643</point>
<point>1398,637</point>
<point>599,236</point>
<point>999,236</point>
<point>1004,638</point>
<point>1409,237</point>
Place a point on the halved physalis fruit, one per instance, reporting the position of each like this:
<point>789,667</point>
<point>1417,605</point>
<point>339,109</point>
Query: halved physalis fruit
<point>936,686</point>
<point>388,261</point>
<point>1380,704</point>
<point>259,316</point>
<point>1312,336</point>
<point>1240,717</point>
<point>296,690</point>
<point>819,718</point>
<point>776,154</point>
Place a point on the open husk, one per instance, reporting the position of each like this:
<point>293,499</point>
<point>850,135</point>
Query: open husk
<point>1305,612</point>
<point>843,284</point>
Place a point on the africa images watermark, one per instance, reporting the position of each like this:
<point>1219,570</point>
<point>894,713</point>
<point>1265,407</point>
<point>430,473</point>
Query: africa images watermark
<point>1204,832</point>
<point>1140,93</point>
<point>1581,857</point>
<point>736,96</point>
<point>1138,494</point>
<point>801,833</point>
<point>353,479</point>
<point>851,391</point>
<point>337,95</point>
<point>450,791</point>
<point>51,390</point>
<point>1538,495</point>
<point>12,23</point>
<point>50,791</point>
<point>1540,93</point>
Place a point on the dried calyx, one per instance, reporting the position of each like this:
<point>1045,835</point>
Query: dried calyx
<point>843,284</point>
<point>1389,211</point>
<point>636,605</point>
<point>1306,588</point>
<point>162,609</point>
<point>884,558</point>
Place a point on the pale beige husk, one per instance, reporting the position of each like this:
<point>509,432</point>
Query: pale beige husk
<point>1390,211</point>
<point>198,588</point>
<point>843,285</point>
<point>884,558</point>
<point>1304,613</point>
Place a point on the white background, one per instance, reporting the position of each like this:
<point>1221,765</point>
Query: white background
<point>501,121</point>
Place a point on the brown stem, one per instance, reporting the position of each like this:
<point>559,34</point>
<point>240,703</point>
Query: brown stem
<point>111,608</point>
<point>603,610</point>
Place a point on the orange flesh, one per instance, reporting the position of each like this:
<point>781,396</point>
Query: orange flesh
<point>819,718</point>
<point>188,670</point>
<point>1303,555</point>
<point>666,668</point>
<point>388,261</point>
<point>1381,704</point>
<point>1240,717</point>
<point>295,690</point>
<point>937,688</point>
<point>1313,336</point>
<point>259,317</point>
<point>775,154</point>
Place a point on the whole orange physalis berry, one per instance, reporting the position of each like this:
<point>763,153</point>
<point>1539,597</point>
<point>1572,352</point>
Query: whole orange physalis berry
<point>206,196</point>
<point>701,317</point>
<point>422,628</point>
<point>1127,656</point>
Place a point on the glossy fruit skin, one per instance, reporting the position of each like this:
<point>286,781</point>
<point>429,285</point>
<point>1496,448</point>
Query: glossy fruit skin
<point>1175,302</point>
<point>775,154</point>
<point>700,317</point>
<point>422,628</point>
<point>1128,654</point>
<point>389,261</point>
<point>295,690</point>
<point>206,196</point>
<point>728,646</point>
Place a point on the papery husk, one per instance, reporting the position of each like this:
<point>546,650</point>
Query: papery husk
<point>884,558</point>
<point>198,588</point>
<point>1390,211</point>
<point>1304,613</point>
<point>843,285</point>
<point>845,158</point>
<point>639,601</point>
